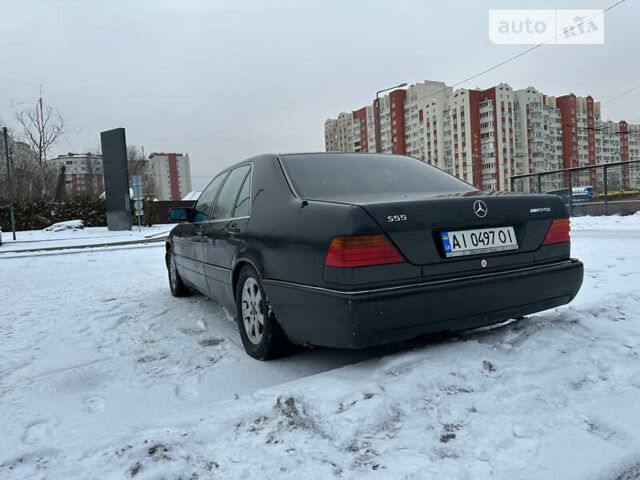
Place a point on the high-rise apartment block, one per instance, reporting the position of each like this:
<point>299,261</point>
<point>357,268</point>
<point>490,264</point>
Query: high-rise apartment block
<point>486,136</point>
<point>172,175</point>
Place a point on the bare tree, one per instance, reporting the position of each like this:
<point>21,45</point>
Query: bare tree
<point>138,164</point>
<point>42,126</point>
<point>31,180</point>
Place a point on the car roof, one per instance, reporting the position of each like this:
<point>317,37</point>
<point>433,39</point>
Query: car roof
<point>335,153</point>
<point>269,156</point>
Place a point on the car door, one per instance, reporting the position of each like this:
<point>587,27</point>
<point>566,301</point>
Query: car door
<point>188,246</point>
<point>224,233</point>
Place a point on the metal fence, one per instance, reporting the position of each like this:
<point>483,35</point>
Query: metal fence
<point>612,188</point>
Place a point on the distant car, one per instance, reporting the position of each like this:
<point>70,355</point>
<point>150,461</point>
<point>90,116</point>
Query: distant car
<point>353,250</point>
<point>578,194</point>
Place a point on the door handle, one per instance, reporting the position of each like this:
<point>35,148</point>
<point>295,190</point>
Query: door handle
<point>233,228</point>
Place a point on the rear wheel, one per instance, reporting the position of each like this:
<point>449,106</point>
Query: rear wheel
<point>177,286</point>
<point>260,331</point>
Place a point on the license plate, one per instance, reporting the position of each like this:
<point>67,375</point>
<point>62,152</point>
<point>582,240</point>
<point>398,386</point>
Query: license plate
<point>474,242</point>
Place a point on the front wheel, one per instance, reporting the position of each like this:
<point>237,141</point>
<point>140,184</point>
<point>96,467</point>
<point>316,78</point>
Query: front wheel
<point>260,331</point>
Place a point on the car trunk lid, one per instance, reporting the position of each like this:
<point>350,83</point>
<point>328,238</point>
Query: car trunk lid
<point>415,223</point>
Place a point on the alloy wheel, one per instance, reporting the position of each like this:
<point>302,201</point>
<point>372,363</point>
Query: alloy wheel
<point>252,310</point>
<point>173,273</point>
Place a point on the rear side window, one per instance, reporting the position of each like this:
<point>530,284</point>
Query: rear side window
<point>209,194</point>
<point>244,199</point>
<point>324,175</point>
<point>229,193</point>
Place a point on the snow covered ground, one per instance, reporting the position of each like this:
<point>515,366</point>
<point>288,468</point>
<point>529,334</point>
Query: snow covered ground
<point>104,375</point>
<point>614,222</point>
<point>34,239</point>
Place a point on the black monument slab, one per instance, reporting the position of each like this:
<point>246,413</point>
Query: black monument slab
<point>116,179</point>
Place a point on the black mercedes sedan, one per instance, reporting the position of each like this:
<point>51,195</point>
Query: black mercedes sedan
<point>351,250</point>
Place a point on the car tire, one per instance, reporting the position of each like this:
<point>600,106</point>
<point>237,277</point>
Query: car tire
<point>261,334</point>
<point>177,286</point>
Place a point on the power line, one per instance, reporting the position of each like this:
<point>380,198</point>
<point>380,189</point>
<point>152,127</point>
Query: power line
<point>529,50</point>
<point>622,95</point>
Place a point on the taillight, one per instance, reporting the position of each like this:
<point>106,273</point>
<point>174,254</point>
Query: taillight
<point>558,232</point>
<point>361,250</point>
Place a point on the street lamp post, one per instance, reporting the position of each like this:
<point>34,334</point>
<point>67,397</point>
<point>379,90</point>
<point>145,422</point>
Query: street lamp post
<point>378,146</point>
<point>9,184</point>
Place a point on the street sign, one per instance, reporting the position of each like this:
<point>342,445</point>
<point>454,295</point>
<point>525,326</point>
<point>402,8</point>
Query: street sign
<point>136,184</point>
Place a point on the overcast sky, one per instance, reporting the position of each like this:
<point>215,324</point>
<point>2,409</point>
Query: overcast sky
<point>224,80</point>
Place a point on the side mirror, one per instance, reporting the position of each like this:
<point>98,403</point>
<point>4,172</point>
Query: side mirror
<point>181,214</point>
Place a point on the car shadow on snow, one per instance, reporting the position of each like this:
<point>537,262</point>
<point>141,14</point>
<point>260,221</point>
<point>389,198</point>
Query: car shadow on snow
<point>338,357</point>
<point>511,333</point>
<point>305,361</point>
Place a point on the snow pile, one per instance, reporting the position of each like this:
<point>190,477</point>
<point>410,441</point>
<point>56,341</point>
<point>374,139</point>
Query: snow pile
<point>68,225</point>
<point>133,383</point>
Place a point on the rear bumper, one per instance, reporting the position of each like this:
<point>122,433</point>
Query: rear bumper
<point>358,319</point>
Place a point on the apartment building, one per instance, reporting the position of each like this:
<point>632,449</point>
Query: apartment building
<point>486,136</point>
<point>82,173</point>
<point>172,174</point>
<point>619,142</point>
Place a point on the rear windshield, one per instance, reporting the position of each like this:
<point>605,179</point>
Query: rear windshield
<point>324,175</point>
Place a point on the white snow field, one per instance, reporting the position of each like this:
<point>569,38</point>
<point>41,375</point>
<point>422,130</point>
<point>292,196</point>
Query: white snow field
<point>104,375</point>
<point>30,240</point>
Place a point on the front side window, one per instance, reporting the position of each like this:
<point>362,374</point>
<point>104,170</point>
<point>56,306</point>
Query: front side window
<point>229,192</point>
<point>207,197</point>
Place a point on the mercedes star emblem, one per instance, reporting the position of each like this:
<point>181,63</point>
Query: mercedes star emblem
<point>480,208</point>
